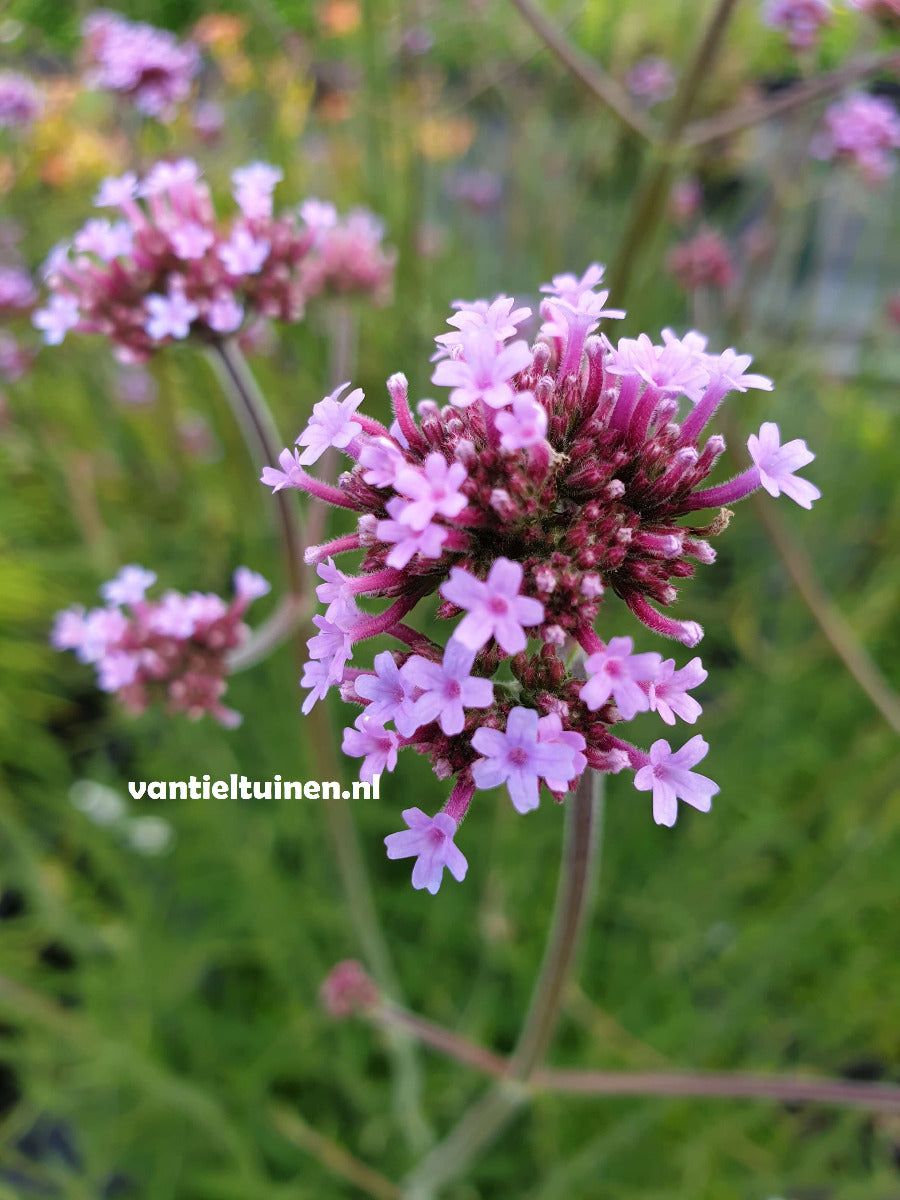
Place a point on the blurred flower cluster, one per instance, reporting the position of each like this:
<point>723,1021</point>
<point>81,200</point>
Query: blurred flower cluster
<point>173,649</point>
<point>555,473</point>
<point>862,130</point>
<point>148,66</point>
<point>168,268</point>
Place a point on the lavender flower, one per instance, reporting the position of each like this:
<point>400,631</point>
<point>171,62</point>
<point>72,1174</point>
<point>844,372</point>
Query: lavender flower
<point>169,269</point>
<point>20,100</point>
<point>430,841</point>
<point>173,649</point>
<point>671,779</point>
<point>515,519</point>
<point>149,66</point>
<point>651,80</point>
<point>799,20</point>
<point>861,130</point>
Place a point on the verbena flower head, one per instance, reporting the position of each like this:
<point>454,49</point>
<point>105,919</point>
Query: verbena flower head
<point>163,267</point>
<point>556,473</point>
<point>20,101</point>
<point>651,80</point>
<point>17,291</point>
<point>864,131</point>
<point>148,66</point>
<point>704,261</point>
<point>173,649</point>
<point>799,20</point>
<point>348,255</point>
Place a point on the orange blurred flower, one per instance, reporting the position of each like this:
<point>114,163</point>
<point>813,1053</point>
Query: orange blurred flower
<point>441,139</point>
<point>337,18</point>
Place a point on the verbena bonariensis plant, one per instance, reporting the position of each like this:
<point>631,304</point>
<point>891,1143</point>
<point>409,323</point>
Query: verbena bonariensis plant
<point>173,649</point>
<point>555,473</point>
<point>170,269</point>
<point>800,20</point>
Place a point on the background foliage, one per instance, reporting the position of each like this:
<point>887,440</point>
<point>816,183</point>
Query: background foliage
<point>156,1007</point>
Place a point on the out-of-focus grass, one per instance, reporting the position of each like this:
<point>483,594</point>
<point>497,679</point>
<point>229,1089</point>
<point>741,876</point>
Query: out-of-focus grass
<point>172,999</point>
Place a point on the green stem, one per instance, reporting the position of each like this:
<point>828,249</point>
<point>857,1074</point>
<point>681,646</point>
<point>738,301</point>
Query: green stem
<point>261,435</point>
<point>486,1118</point>
<point>651,200</point>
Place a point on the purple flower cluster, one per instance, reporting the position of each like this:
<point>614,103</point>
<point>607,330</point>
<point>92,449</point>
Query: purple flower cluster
<point>864,131</point>
<point>168,268</point>
<point>556,472</point>
<point>17,291</point>
<point>20,100</point>
<point>173,649</point>
<point>704,261</point>
<point>147,65</point>
<point>651,80</point>
<point>799,20</point>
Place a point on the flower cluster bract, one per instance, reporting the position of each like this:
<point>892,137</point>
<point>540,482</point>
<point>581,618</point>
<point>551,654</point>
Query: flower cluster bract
<point>557,472</point>
<point>173,649</point>
<point>168,268</point>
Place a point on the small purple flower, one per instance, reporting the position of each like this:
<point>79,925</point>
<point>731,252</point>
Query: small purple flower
<point>551,733</point>
<point>57,318</point>
<point>430,841</point>
<point>616,672</point>
<point>570,288</point>
<point>191,240</point>
<point>432,490</point>
<point>290,475</point>
<point>116,190</point>
<point>171,315</point>
<point>651,80</point>
<point>447,688</point>
<point>390,692</point>
<point>671,779</point>
<point>668,692</point>
<point>117,670</point>
<point>317,676</point>
<point>129,586</point>
<point>105,239</point>
<point>497,315</point>
<point>250,585</point>
<point>382,459</point>
<point>20,101</point>
<point>331,424</point>
<point>319,215</point>
<point>776,465</point>
<point>730,369</point>
<point>332,644</point>
<point>519,759</point>
<point>525,425</point>
<point>374,744</point>
<point>863,130</point>
<point>243,254</point>
<point>493,606</point>
<point>799,20</point>
<point>408,541</point>
<point>253,188</point>
<point>483,373</point>
<point>224,314</point>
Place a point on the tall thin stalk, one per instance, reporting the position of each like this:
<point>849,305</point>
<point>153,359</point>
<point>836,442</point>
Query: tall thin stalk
<point>261,435</point>
<point>481,1123</point>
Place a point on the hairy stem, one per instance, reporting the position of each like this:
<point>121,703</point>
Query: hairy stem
<point>478,1127</point>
